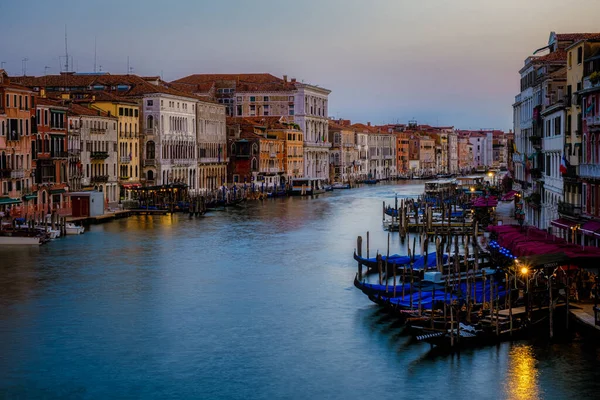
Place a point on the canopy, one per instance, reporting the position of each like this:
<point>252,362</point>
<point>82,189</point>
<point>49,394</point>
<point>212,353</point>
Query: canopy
<point>591,228</point>
<point>563,223</point>
<point>7,201</point>
<point>509,196</point>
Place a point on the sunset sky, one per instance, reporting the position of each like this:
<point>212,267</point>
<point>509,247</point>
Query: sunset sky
<point>446,62</point>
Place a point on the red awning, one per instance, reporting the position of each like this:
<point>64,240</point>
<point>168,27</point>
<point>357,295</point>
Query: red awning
<point>563,223</point>
<point>132,185</point>
<point>591,228</point>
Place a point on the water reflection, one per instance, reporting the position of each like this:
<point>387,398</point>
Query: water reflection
<point>522,376</point>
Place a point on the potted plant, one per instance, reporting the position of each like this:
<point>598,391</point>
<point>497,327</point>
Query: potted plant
<point>595,77</point>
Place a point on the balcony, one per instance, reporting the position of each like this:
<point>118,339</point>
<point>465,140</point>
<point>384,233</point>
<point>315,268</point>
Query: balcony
<point>593,120</point>
<point>125,159</point>
<point>149,163</point>
<point>98,131</point>
<point>99,179</point>
<point>536,173</point>
<point>99,155</point>
<point>5,173</point>
<point>273,170</point>
<point>124,178</point>
<point>17,174</point>
<point>74,152</point>
<point>587,83</point>
<point>317,144</point>
<point>568,209</point>
<point>59,154</point>
<point>183,161</point>
<point>589,171</point>
<point>272,155</point>
<point>212,160</point>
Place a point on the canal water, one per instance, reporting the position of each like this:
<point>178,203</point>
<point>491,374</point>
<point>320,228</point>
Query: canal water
<point>255,302</point>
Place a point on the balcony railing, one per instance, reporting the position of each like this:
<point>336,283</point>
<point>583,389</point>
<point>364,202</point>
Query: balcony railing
<point>99,179</point>
<point>589,170</point>
<point>17,174</point>
<point>59,154</point>
<point>593,120</point>
<point>149,163</point>
<point>317,144</point>
<point>125,159</point>
<point>568,209</point>
<point>99,155</point>
<point>98,131</point>
<point>571,173</point>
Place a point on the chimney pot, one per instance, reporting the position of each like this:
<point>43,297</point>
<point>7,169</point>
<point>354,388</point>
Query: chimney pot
<point>285,78</point>
<point>293,80</point>
<point>368,124</point>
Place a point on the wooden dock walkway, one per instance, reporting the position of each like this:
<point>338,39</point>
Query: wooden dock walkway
<point>116,215</point>
<point>584,313</point>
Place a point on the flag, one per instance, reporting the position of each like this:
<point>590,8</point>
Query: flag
<point>515,148</point>
<point>564,164</point>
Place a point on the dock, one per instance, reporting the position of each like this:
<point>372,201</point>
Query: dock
<point>584,314</point>
<point>116,215</point>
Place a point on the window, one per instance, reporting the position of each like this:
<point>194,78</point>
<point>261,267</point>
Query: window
<point>149,103</point>
<point>150,150</point>
<point>239,110</point>
<point>266,98</point>
<point>121,111</point>
<point>291,98</point>
<point>252,109</point>
<point>579,55</point>
<point>161,104</point>
<point>150,122</point>
<point>291,109</point>
<point>570,59</point>
<point>266,109</point>
<point>239,98</point>
<point>252,99</point>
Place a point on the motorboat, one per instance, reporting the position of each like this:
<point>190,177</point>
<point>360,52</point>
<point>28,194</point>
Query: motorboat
<point>73,229</point>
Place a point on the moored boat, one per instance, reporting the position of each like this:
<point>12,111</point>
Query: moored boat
<point>73,229</point>
<point>18,238</point>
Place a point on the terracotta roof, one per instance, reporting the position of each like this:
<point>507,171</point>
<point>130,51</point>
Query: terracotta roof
<point>76,109</point>
<point>335,127</point>
<point>268,122</point>
<point>555,56</point>
<point>575,36</point>
<point>45,101</point>
<point>242,82</point>
<point>363,128</point>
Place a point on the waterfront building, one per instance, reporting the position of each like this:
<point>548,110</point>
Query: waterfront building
<point>128,138</point>
<point>50,156</point>
<point>256,155</point>
<point>211,139</point>
<point>252,95</point>
<point>539,106</point>
<point>17,128</point>
<point>402,152</point>
<point>589,169</point>
<point>96,132</point>
<point>344,155</point>
<point>452,152</point>
<point>362,145</point>
<point>465,152</point>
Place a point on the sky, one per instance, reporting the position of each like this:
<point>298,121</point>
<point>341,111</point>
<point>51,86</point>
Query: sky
<point>440,62</point>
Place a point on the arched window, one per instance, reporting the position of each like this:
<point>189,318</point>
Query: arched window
<point>254,149</point>
<point>150,150</point>
<point>254,164</point>
<point>149,123</point>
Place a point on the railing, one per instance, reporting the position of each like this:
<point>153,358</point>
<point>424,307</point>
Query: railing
<point>17,174</point>
<point>317,144</point>
<point>98,131</point>
<point>209,160</point>
<point>571,172</point>
<point>569,209</point>
<point>273,170</point>
<point>184,161</point>
<point>124,178</point>
<point>99,155</point>
<point>59,154</point>
<point>125,159</point>
<point>272,155</point>
<point>593,120</point>
<point>149,163</point>
<point>5,173</point>
<point>75,152</point>
<point>589,170</point>
<point>99,179</point>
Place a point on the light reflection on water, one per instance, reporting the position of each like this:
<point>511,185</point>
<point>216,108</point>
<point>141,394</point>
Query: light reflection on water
<point>522,375</point>
<point>253,302</point>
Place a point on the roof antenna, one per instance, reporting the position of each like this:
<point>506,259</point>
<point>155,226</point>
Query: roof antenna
<point>2,64</point>
<point>66,52</point>
<point>94,54</point>
<point>46,68</point>
<point>24,62</point>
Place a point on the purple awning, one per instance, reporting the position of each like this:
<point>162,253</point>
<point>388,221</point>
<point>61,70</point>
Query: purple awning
<point>591,228</point>
<point>563,223</point>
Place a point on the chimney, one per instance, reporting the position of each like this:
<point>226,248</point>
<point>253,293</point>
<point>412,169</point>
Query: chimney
<point>285,78</point>
<point>293,80</point>
<point>368,124</point>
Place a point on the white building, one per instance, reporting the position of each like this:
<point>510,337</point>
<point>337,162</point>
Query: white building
<point>382,155</point>
<point>554,118</point>
<point>311,105</point>
<point>212,146</point>
<point>97,147</point>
